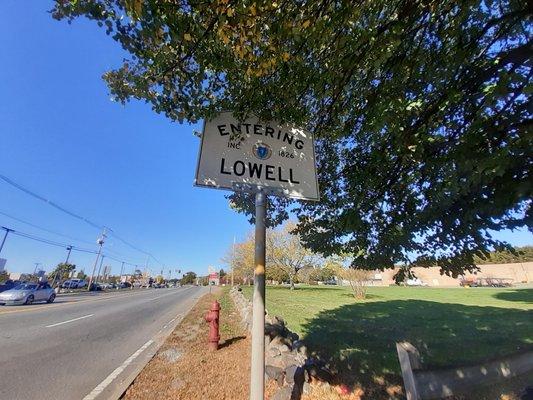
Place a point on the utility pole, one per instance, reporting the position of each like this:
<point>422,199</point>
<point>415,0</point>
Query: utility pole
<point>69,249</point>
<point>257,379</point>
<point>36,265</point>
<point>100,243</point>
<point>233,261</point>
<point>100,268</point>
<point>5,237</point>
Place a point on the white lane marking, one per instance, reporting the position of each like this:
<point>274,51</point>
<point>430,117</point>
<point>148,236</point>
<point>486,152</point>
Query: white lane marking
<point>70,320</point>
<point>158,297</point>
<point>112,376</point>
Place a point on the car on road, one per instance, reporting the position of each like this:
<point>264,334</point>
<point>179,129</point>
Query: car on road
<point>28,293</point>
<point>74,284</point>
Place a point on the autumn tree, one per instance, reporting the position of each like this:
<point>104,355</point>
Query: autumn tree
<point>188,278</point>
<point>286,251</point>
<point>421,110</point>
<point>285,256</point>
<point>240,258</point>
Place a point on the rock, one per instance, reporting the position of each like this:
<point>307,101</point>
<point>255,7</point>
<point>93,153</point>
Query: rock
<point>280,341</point>
<point>272,352</point>
<point>293,336</point>
<point>319,373</point>
<point>171,355</point>
<point>284,348</point>
<point>288,359</point>
<point>290,371</point>
<point>275,373</point>
<point>299,346</point>
<point>285,393</point>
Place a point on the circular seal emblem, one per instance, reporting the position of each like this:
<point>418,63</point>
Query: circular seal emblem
<point>262,151</point>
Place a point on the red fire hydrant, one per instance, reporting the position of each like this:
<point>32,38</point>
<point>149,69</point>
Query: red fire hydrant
<point>212,317</point>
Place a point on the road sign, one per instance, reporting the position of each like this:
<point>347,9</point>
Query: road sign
<point>251,155</point>
<point>264,158</point>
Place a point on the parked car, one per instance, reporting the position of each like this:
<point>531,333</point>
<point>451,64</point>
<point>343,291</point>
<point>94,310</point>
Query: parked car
<point>80,283</point>
<point>106,286</point>
<point>95,287</point>
<point>415,282</point>
<point>124,285</point>
<point>28,293</point>
<point>74,284</point>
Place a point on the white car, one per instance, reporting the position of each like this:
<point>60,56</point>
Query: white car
<point>27,293</point>
<point>415,282</point>
<point>74,284</point>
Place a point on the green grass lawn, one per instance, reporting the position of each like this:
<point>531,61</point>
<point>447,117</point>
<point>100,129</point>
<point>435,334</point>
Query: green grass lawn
<point>450,327</point>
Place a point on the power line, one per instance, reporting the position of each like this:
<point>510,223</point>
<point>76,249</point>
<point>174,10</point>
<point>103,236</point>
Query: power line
<point>72,214</point>
<point>45,229</point>
<point>49,202</point>
<point>57,233</point>
<point>49,242</point>
<point>63,245</point>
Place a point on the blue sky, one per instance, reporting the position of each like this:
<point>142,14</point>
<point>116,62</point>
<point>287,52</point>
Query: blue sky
<point>121,166</point>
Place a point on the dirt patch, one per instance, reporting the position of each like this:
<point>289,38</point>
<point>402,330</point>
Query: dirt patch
<point>184,369</point>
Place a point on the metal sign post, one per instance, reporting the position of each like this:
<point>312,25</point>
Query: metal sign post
<point>257,379</point>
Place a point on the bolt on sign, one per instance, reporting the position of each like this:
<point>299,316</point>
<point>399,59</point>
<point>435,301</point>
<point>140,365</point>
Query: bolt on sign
<point>252,155</point>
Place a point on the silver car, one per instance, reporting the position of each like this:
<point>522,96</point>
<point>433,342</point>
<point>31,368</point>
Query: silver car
<point>27,293</point>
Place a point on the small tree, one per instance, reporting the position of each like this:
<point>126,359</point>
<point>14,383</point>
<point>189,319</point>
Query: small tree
<point>81,275</point>
<point>188,278</point>
<point>4,276</point>
<point>240,257</point>
<point>286,251</point>
<point>357,279</point>
<point>61,272</point>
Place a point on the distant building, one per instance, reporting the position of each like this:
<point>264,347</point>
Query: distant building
<point>214,279</point>
<point>515,272</point>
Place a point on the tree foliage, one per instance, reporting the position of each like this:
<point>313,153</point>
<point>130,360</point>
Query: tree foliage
<point>286,251</point>
<point>4,276</point>
<point>421,110</point>
<point>188,278</point>
<point>285,256</point>
<point>61,272</point>
<point>513,255</point>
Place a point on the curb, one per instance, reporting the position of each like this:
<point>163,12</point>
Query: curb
<point>117,389</point>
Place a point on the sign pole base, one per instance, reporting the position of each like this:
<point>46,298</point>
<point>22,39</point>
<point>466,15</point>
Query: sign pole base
<point>257,379</point>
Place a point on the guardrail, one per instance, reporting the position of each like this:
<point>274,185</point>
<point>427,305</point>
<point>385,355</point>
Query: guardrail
<point>423,384</point>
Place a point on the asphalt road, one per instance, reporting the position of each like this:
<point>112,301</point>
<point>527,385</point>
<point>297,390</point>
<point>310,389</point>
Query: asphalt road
<point>83,343</point>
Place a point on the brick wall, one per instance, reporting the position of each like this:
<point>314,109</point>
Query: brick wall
<point>518,272</point>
